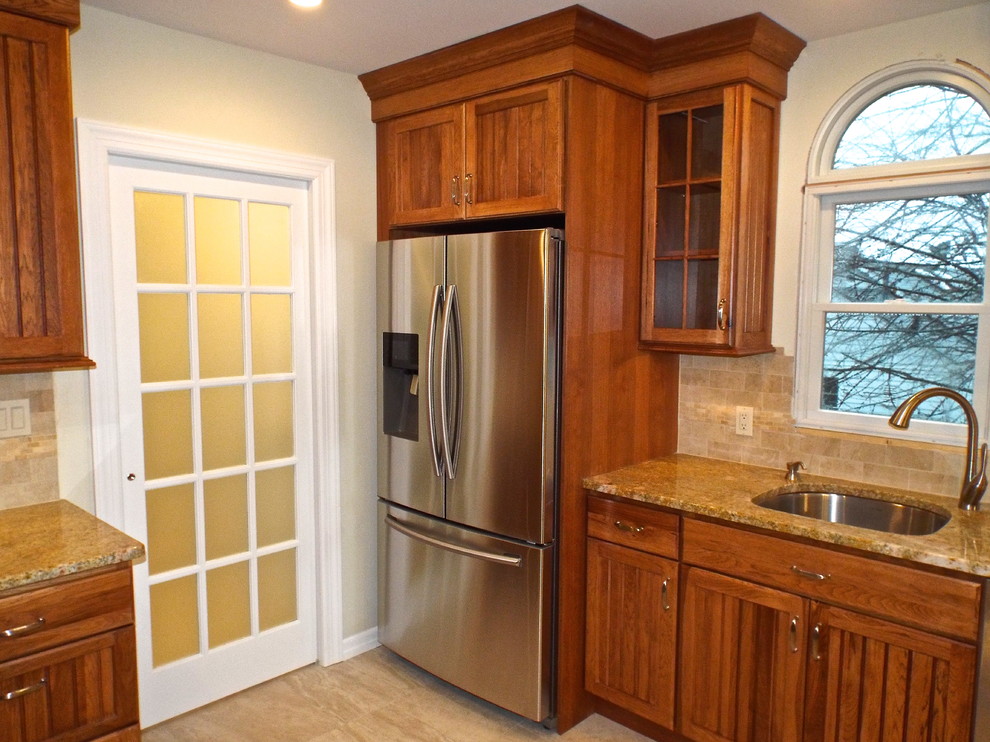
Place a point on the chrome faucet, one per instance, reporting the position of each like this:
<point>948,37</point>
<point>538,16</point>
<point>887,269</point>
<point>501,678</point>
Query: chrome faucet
<point>975,476</point>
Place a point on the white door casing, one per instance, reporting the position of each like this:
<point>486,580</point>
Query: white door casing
<point>104,156</point>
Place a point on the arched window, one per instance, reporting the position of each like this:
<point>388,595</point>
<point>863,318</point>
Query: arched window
<point>894,272</point>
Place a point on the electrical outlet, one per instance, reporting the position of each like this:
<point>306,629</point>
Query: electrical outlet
<point>744,421</point>
<point>15,418</point>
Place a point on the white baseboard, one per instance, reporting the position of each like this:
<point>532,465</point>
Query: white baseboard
<point>356,644</point>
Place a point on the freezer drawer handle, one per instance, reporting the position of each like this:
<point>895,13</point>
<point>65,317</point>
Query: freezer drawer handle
<point>509,559</point>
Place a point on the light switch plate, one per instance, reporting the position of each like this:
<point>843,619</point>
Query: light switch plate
<point>15,418</point>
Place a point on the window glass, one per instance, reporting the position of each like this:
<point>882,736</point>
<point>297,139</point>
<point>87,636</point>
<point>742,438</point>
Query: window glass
<point>918,122</point>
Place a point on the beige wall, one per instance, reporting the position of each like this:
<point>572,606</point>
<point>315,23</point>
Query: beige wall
<point>712,387</point>
<point>139,75</point>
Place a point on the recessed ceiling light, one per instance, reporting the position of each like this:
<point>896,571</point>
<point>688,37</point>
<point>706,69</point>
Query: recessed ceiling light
<point>306,3</point>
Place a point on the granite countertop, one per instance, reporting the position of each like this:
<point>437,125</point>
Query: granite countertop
<point>724,490</point>
<point>51,539</point>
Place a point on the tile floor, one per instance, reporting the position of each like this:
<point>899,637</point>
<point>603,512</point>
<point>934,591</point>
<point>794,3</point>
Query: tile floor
<point>374,697</point>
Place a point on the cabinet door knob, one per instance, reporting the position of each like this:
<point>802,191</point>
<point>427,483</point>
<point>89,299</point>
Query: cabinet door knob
<point>455,190</point>
<point>468,182</point>
<point>665,594</point>
<point>131,477</point>
<point>722,315</point>
<point>792,635</point>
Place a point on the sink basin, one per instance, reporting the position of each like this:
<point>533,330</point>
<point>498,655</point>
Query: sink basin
<point>853,510</point>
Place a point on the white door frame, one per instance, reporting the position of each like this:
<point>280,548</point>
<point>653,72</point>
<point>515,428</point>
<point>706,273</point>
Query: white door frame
<point>97,143</point>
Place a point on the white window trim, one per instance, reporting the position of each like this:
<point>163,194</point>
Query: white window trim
<point>826,186</point>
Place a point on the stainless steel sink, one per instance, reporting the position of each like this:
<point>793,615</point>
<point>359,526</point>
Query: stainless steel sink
<point>854,510</point>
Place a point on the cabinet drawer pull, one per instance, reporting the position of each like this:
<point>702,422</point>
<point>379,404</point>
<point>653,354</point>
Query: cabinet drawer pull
<point>792,635</point>
<point>25,691</point>
<point>27,628</point>
<point>816,638</point>
<point>628,528</point>
<point>664,594</point>
<point>809,575</point>
<point>455,190</point>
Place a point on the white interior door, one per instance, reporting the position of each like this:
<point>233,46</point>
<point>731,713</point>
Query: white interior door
<point>211,312</point>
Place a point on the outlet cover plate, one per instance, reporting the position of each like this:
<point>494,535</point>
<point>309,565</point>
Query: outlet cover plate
<point>15,418</point>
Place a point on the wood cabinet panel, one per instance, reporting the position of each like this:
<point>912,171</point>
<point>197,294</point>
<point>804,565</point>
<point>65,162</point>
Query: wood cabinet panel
<point>632,630</point>
<point>933,602</point>
<point>54,614</point>
<point>635,526</point>
<point>742,660</point>
<point>73,692</point>
<point>40,291</point>
<point>874,680</point>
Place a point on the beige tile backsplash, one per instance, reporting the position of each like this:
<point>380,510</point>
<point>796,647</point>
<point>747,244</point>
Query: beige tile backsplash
<point>711,388</point>
<point>29,464</point>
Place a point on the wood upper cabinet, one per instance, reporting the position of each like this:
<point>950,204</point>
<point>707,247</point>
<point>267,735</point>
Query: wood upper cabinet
<point>711,162</point>
<point>496,155</point>
<point>40,291</point>
<point>742,660</point>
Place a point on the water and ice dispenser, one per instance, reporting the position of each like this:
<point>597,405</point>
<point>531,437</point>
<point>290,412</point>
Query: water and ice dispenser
<point>400,384</point>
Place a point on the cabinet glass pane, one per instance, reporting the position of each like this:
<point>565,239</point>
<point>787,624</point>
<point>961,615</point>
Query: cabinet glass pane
<point>174,620</point>
<point>221,336</point>
<point>167,434</point>
<point>164,336</point>
<point>273,425</point>
<point>276,589</point>
<point>706,217</point>
<point>706,142</point>
<point>160,237</point>
<point>671,206</point>
<point>702,298</point>
<point>673,137</point>
<point>228,604</point>
<point>225,516</point>
<point>271,334</point>
<point>269,244</point>
<point>171,528</point>
<point>668,297</point>
<point>218,240</point>
<point>223,426</point>
<point>275,502</point>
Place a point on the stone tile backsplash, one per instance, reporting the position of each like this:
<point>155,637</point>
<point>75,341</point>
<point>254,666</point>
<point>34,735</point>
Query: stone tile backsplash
<point>29,464</point>
<point>711,388</point>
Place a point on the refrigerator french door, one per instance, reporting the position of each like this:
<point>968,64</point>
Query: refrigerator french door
<point>469,332</point>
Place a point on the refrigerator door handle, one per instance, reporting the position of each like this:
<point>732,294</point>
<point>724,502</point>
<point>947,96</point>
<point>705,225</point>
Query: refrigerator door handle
<point>430,384</point>
<point>452,377</point>
<point>511,560</point>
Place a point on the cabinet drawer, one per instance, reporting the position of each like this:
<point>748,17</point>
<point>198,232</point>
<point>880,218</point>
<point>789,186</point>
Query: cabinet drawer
<point>71,610</point>
<point>636,526</point>
<point>80,691</point>
<point>933,602</point>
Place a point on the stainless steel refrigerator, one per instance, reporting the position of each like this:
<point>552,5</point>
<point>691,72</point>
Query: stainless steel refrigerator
<point>468,329</point>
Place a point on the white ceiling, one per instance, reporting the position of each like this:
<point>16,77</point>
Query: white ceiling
<point>361,35</point>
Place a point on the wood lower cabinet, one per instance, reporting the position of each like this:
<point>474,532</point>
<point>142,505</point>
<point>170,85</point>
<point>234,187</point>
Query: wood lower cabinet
<point>40,286</point>
<point>870,679</point>
<point>497,155</point>
<point>742,660</point>
<point>70,669</point>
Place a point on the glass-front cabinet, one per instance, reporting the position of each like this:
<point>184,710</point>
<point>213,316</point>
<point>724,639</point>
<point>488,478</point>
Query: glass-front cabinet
<point>708,235</point>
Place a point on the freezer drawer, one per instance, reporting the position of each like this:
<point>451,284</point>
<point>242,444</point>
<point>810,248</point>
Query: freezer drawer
<point>469,608</point>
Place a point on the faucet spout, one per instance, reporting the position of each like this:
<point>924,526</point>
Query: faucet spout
<point>975,475</point>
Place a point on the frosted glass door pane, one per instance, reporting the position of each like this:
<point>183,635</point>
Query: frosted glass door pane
<point>218,240</point>
<point>171,528</point>
<point>226,516</point>
<point>160,237</point>
<point>174,620</point>
<point>276,589</point>
<point>273,420</point>
<point>167,434</point>
<point>271,334</point>
<point>221,336</point>
<point>223,426</point>
<point>275,503</point>
<point>163,320</point>
<point>228,604</point>
<point>269,244</point>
